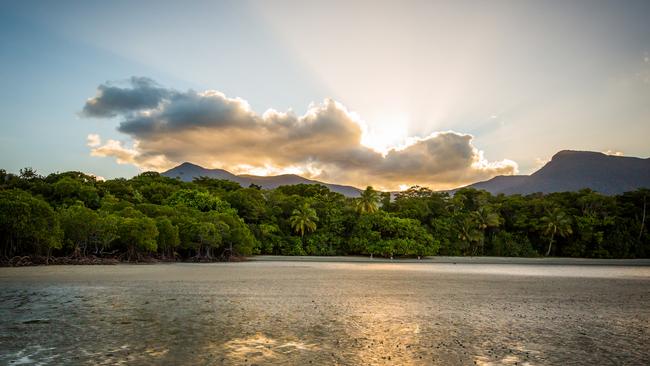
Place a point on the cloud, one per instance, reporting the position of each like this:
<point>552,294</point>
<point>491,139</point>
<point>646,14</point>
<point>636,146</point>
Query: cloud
<point>134,156</point>
<point>613,152</point>
<point>213,130</point>
<point>93,140</point>
<point>112,100</point>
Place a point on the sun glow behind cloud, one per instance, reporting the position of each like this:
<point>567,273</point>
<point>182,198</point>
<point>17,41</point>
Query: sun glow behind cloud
<point>389,132</point>
<point>328,142</point>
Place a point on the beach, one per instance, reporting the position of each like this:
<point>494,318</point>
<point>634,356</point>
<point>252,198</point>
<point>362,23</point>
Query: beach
<point>299,311</point>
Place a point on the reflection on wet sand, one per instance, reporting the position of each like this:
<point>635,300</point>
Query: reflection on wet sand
<point>259,349</point>
<point>322,313</point>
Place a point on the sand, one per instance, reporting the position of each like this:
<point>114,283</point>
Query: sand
<point>302,312</point>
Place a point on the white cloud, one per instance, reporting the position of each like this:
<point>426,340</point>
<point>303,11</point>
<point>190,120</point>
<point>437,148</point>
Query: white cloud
<point>93,140</point>
<point>613,152</point>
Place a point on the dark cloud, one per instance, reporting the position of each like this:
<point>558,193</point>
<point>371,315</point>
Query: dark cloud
<point>112,100</point>
<point>188,111</point>
<point>213,130</point>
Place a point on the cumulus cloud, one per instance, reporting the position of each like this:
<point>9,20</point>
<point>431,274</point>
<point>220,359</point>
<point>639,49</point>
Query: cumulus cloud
<point>134,156</point>
<point>208,128</point>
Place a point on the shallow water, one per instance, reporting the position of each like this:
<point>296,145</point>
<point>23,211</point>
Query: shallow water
<point>325,313</point>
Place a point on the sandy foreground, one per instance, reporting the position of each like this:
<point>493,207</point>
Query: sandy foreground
<point>300,312</point>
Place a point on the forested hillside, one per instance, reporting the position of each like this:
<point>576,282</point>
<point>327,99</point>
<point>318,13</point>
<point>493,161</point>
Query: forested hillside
<point>150,216</point>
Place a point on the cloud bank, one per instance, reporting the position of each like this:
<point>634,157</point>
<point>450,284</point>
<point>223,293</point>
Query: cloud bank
<point>210,129</point>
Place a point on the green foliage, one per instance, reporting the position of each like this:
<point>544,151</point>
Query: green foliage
<point>217,185</point>
<point>137,234</point>
<point>202,201</point>
<point>28,224</point>
<point>556,222</point>
<point>507,244</point>
<point>238,237</point>
<point>470,235</point>
<point>80,226</point>
<point>73,214</point>
<point>168,238</point>
<point>249,203</point>
<point>303,219</point>
<point>383,234</point>
<point>368,202</point>
<point>270,238</point>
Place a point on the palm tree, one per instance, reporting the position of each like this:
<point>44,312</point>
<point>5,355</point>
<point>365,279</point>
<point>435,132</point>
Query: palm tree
<point>369,201</point>
<point>468,231</point>
<point>485,218</point>
<point>303,219</point>
<point>556,222</point>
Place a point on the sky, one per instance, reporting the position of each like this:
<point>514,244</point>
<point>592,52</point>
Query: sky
<point>382,93</point>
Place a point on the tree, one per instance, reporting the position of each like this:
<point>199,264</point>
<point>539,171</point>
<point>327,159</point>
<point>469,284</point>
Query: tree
<point>154,215</point>
<point>368,202</point>
<point>556,222</point>
<point>168,238</point>
<point>216,185</point>
<point>469,233</point>
<point>236,234</point>
<point>270,238</point>
<point>303,219</point>
<point>29,173</point>
<point>138,234</point>
<point>387,235</point>
<point>157,192</point>
<point>249,203</point>
<point>643,216</point>
<point>207,237</point>
<point>120,188</point>
<point>68,190</point>
<point>28,225</point>
<point>79,225</point>
<point>105,232</point>
<point>485,218</point>
<point>202,201</point>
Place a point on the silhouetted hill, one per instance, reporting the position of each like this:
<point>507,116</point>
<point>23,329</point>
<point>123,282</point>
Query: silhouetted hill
<point>188,171</point>
<point>574,170</point>
<point>567,171</point>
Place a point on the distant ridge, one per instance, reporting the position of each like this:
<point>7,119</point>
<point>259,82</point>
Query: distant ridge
<point>571,170</point>
<point>188,171</point>
<point>568,170</point>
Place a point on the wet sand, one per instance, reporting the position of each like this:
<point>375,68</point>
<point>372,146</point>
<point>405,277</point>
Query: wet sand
<point>302,312</point>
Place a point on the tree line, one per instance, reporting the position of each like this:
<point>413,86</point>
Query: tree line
<point>72,214</point>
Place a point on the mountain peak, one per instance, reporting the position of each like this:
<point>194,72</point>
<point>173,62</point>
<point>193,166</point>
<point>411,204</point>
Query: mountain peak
<point>576,153</point>
<point>187,164</point>
<point>571,170</point>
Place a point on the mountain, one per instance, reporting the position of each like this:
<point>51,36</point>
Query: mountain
<point>574,170</point>
<point>567,171</point>
<point>188,171</point>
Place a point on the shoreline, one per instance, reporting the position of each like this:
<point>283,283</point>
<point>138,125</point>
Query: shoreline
<point>93,261</point>
<point>458,260</point>
<point>37,261</point>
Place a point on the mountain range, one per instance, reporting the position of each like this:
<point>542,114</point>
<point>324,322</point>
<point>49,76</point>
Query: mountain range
<point>568,170</point>
<point>571,170</point>
<point>188,171</point>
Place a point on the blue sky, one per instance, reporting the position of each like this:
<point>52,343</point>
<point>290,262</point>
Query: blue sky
<point>525,79</point>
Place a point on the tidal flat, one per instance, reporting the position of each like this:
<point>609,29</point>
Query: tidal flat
<point>309,312</point>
